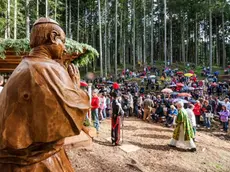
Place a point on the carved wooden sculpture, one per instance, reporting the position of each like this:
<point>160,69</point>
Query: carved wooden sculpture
<point>40,105</point>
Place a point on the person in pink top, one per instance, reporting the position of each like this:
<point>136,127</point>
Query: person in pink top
<point>197,112</point>
<point>102,106</point>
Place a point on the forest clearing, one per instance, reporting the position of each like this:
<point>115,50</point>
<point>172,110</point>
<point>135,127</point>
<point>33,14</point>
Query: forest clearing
<point>154,154</point>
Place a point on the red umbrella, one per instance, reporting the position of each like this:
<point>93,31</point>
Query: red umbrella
<point>180,73</point>
<point>116,86</point>
<point>191,71</point>
<point>184,95</point>
<point>83,84</point>
<point>179,84</point>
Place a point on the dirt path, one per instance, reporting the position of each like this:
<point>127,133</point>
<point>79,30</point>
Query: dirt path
<point>213,153</point>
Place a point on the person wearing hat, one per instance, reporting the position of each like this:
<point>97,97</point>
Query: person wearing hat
<point>183,133</point>
<point>148,105</point>
<point>117,111</point>
<point>94,109</point>
<point>40,105</point>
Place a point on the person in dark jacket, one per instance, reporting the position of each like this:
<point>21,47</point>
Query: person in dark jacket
<point>207,110</point>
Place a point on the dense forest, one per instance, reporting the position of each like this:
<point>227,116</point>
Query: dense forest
<point>132,31</point>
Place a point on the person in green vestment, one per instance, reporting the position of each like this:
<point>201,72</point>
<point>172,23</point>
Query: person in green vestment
<point>183,134</point>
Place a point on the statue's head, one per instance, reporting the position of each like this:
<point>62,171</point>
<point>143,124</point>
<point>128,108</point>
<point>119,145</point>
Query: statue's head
<point>47,33</point>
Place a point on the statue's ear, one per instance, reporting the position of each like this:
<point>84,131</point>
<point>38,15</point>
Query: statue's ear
<point>53,36</point>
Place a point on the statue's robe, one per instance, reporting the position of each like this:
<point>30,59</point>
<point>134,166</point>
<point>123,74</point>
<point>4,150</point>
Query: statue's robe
<point>39,107</point>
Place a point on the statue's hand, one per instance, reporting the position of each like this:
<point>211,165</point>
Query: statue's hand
<point>74,74</point>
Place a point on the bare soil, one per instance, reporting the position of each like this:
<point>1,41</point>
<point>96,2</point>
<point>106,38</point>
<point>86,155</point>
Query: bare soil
<point>213,151</point>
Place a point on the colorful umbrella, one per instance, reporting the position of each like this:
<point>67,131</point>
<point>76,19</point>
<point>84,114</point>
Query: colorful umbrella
<point>180,100</point>
<point>152,76</point>
<point>192,101</point>
<point>109,82</point>
<point>180,73</point>
<point>179,84</point>
<point>188,74</point>
<point>173,85</point>
<point>199,88</point>
<point>191,88</point>
<point>174,93</point>
<point>83,84</point>
<point>214,84</point>
<point>191,71</point>
<point>184,95</point>
<point>167,90</point>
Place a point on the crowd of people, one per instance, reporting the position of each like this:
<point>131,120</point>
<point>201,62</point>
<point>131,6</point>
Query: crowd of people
<point>160,99</point>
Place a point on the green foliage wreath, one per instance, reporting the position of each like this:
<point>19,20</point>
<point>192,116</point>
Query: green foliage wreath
<point>20,46</point>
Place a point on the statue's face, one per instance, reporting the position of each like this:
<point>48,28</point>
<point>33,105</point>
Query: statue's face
<point>58,47</point>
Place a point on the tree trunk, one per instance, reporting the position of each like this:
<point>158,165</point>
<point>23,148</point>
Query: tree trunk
<point>47,11</point>
<point>134,34</point>
<point>55,10</point>
<point>120,46</point>
<point>37,10</point>
<point>78,20</point>
<point>8,19</point>
<point>124,55</point>
<point>182,40</point>
<point>223,42</point>
<point>109,46</point>
<point>105,40</point>
<point>196,41</point>
<point>15,18</point>
<point>70,20</point>
<point>144,33</point>
<point>217,45</point>
<point>115,58</point>
<point>152,43</point>
<point>27,20</point>
<point>66,18</point>
<point>171,46</point>
<point>210,37</point>
<point>165,34</point>
<point>100,38</point>
<point>187,40</point>
<point>94,44</point>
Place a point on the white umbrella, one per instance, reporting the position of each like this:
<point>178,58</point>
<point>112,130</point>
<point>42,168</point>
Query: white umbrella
<point>180,100</point>
<point>152,76</point>
<point>167,90</point>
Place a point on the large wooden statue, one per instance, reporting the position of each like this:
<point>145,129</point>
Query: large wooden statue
<point>40,105</point>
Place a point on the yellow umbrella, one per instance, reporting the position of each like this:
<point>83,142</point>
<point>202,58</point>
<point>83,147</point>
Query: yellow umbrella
<point>188,74</point>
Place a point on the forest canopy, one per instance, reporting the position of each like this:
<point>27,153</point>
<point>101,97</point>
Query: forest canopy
<point>132,31</point>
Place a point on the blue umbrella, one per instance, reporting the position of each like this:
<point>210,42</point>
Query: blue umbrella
<point>174,93</point>
<point>109,82</point>
<point>192,101</point>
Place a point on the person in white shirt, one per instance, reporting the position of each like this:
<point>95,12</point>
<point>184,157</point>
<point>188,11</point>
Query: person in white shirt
<point>1,83</point>
<point>226,103</point>
<point>192,118</point>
